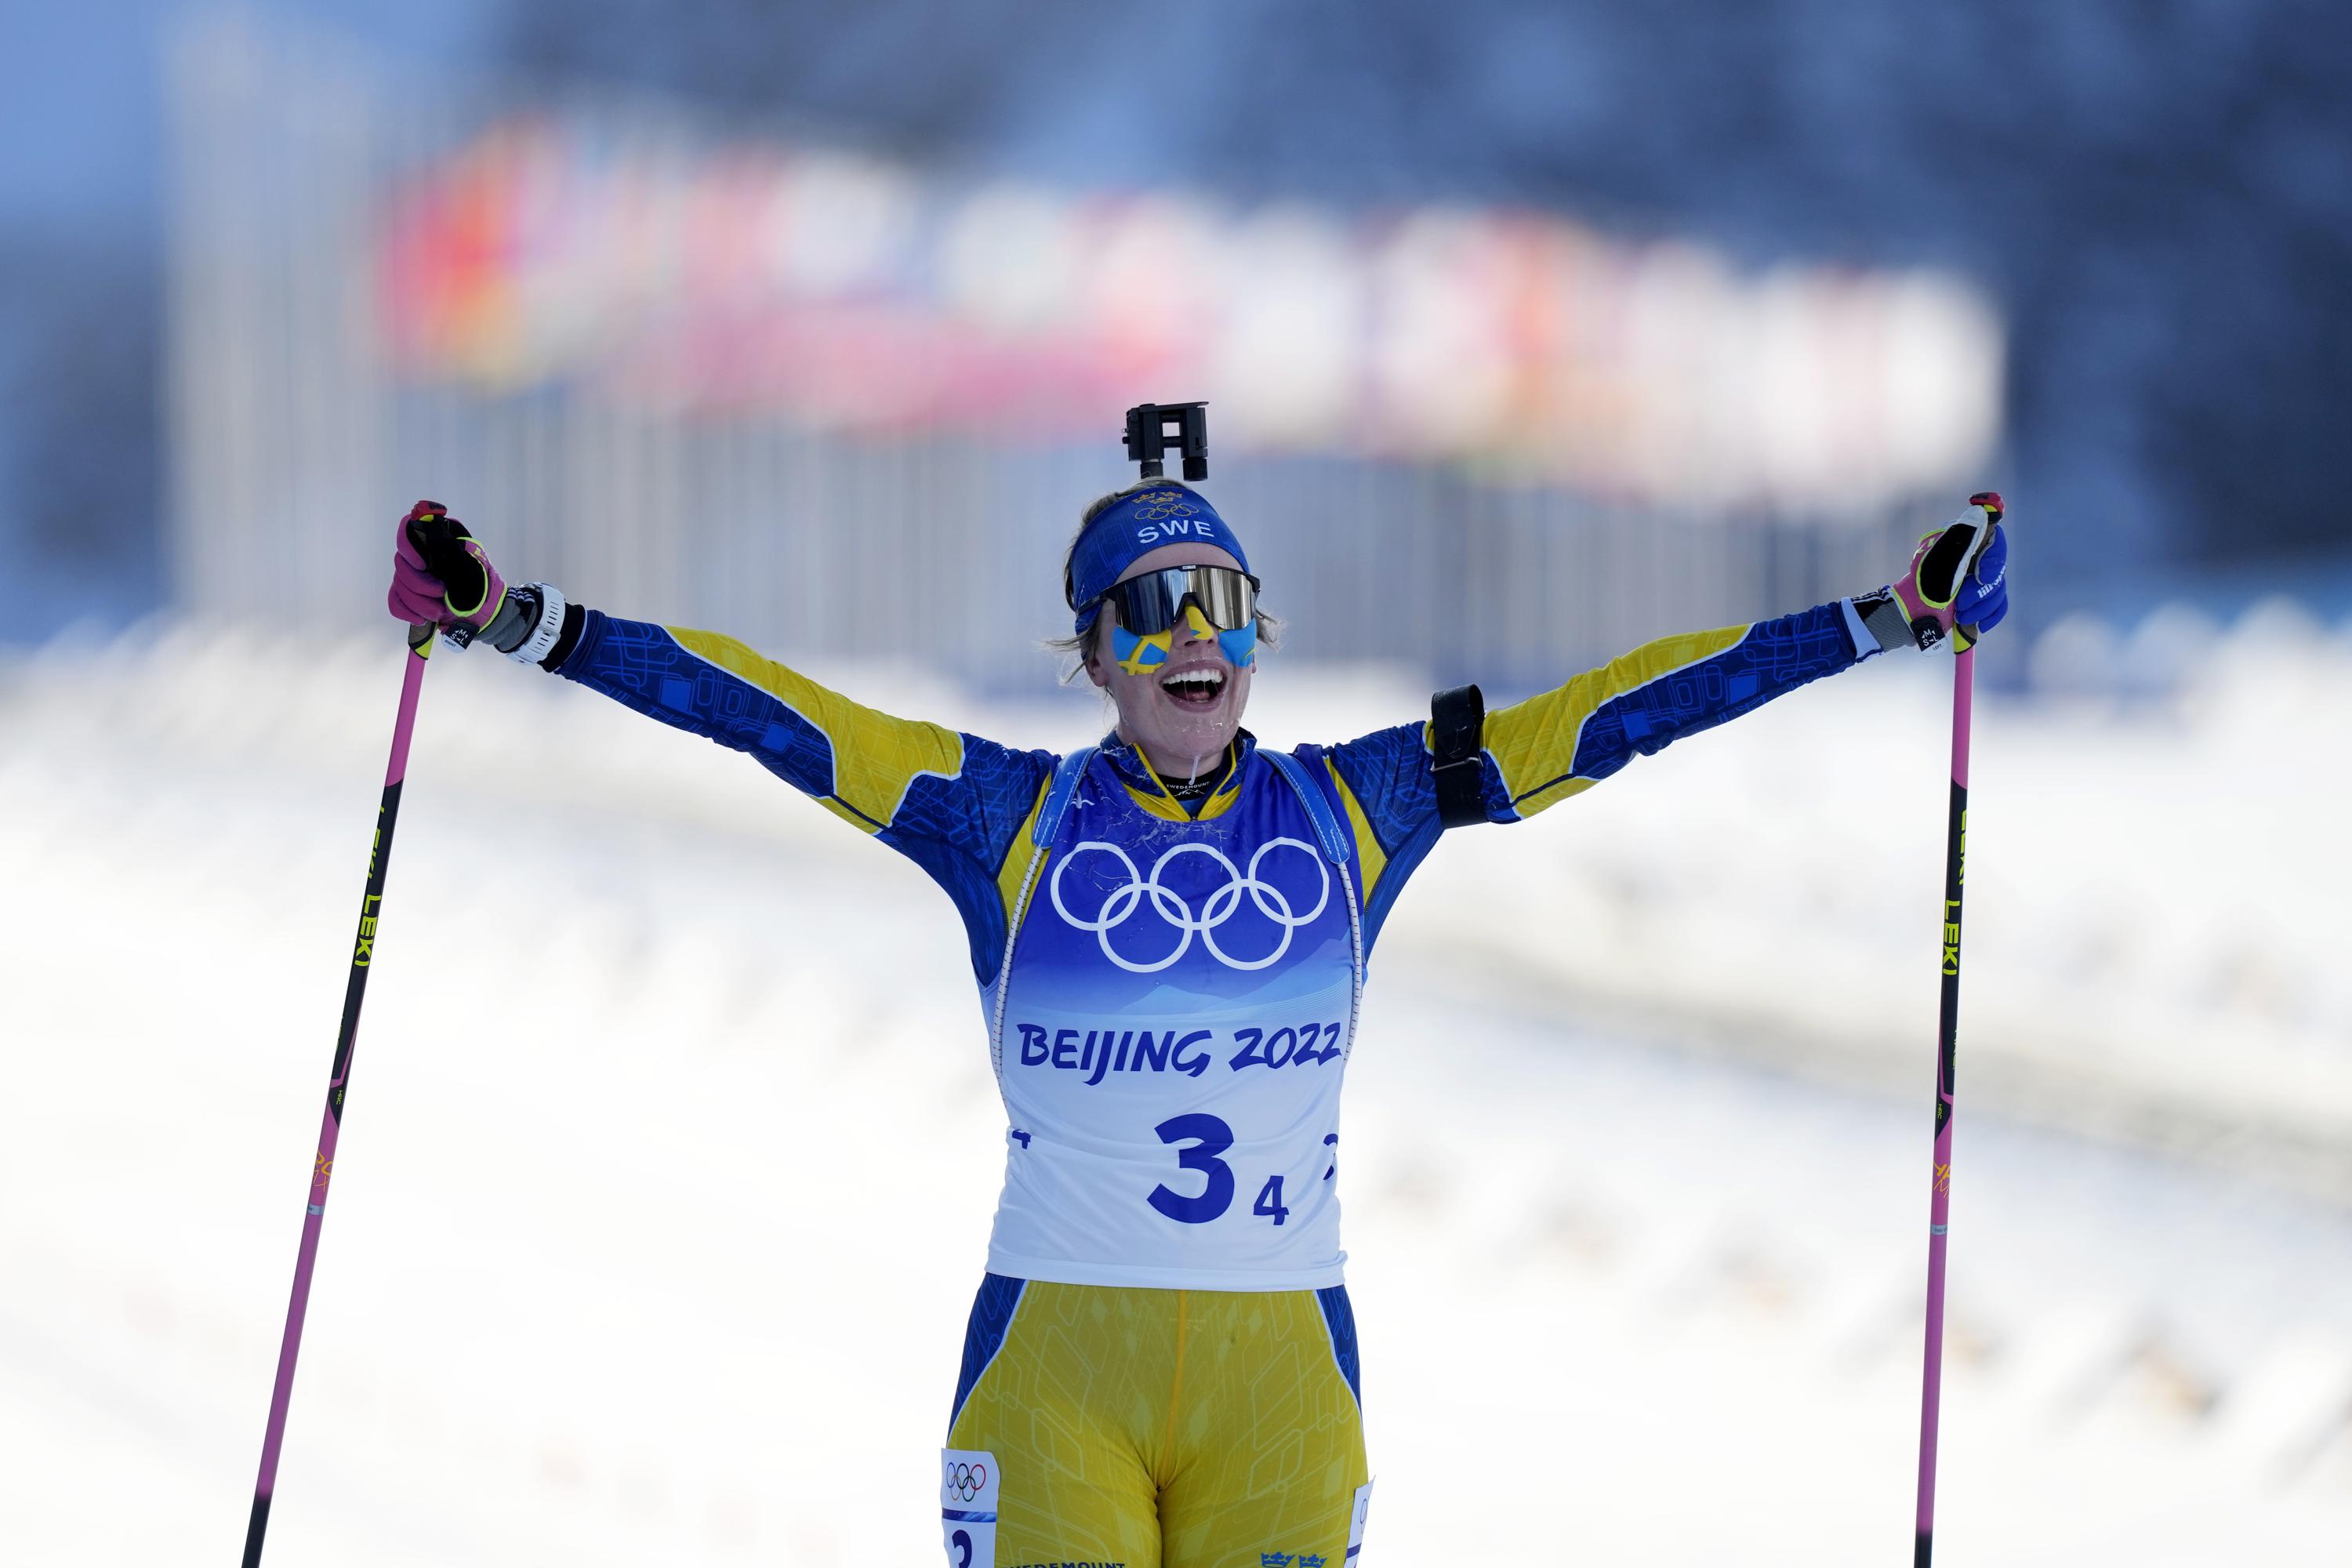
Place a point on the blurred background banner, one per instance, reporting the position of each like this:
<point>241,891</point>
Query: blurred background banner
<point>844,387</point>
<point>848,292</point>
<point>1529,332</point>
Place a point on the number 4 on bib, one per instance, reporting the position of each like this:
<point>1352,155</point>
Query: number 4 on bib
<point>1269,1201</point>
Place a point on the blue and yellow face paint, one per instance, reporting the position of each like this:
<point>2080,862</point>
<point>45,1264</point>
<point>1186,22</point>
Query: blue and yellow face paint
<point>1240,647</point>
<point>1141,654</point>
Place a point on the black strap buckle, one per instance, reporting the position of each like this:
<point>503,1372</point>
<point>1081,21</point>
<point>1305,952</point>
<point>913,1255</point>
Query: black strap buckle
<point>1457,726</point>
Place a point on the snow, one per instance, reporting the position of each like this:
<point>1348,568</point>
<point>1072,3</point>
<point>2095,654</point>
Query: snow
<point>671,1144</point>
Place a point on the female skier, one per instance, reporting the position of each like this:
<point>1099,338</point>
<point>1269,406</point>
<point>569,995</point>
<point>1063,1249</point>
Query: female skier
<point>1169,932</point>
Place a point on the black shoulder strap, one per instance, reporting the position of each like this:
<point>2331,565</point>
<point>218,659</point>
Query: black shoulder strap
<point>1457,726</point>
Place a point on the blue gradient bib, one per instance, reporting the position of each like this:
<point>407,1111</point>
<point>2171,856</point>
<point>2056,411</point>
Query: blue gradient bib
<point>1173,1028</point>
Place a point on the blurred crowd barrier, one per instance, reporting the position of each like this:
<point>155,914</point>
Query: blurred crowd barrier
<point>835,404</point>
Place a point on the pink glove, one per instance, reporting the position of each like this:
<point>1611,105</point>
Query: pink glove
<point>440,576</point>
<point>1956,576</point>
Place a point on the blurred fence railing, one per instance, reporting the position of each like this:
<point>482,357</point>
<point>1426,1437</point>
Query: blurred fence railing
<point>298,434</point>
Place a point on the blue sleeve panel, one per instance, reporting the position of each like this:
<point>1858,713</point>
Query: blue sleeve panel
<point>954,804</point>
<point>1389,787</point>
<point>1540,752</point>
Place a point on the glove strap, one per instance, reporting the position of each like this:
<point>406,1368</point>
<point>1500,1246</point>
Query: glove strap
<point>518,612</point>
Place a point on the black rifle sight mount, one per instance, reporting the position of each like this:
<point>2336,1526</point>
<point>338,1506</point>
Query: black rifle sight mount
<point>1148,437</point>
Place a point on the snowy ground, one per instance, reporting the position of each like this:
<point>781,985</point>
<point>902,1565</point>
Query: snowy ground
<point>671,1144</point>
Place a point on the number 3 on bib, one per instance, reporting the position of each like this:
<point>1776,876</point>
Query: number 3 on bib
<point>1210,1137</point>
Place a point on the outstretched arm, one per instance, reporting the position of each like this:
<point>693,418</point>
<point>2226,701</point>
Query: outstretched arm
<point>1562,742</point>
<point>1548,748</point>
<point>952,803</point>
<point>858,763</point>
<point>1538,753</point>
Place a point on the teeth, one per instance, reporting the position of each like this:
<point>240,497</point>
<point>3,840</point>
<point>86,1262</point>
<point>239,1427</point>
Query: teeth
<point>1195,680</point>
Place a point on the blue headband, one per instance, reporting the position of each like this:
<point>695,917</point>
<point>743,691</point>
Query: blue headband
<point>1163,512</point>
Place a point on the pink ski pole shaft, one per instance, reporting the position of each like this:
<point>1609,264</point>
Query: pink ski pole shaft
<point>1939,1202</point>
<point>420,648</point>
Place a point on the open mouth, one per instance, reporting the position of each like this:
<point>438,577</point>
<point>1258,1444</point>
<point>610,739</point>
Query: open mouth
<point>1198,686</point>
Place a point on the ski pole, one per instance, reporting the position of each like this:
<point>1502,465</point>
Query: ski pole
<point>420,648</point>
<point>1939,1202</point>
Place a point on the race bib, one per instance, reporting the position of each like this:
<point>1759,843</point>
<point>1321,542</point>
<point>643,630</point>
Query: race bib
<point>968,1506</point>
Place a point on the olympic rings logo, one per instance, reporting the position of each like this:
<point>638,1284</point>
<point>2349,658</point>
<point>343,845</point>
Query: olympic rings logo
<point>1125,899</point>
<point>964,1482</point>
<point>1152,506</point>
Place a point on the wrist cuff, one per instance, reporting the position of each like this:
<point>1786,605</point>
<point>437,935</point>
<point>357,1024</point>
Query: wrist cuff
<point>575,621</point>
<point>533,645</point>
<point>1884,620</point>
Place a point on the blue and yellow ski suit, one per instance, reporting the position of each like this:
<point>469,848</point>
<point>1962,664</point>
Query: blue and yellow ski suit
<point>1161,1369</point>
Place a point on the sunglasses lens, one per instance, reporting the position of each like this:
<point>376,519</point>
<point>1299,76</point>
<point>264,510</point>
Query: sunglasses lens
<point>1154,602</point>
<point>1225,596</point>
<point>1148,604</point>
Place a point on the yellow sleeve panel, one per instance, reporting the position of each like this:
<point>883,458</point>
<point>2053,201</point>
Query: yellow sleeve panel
<point>952,803</point>
<point>875,756</point>
<point>1535,743</point>
<point>1009,875</point>
<point>1370,857</point>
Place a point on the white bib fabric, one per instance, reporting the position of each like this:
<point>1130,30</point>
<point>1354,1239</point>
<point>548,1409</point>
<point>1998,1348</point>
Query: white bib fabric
<point>1176,1009</point>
